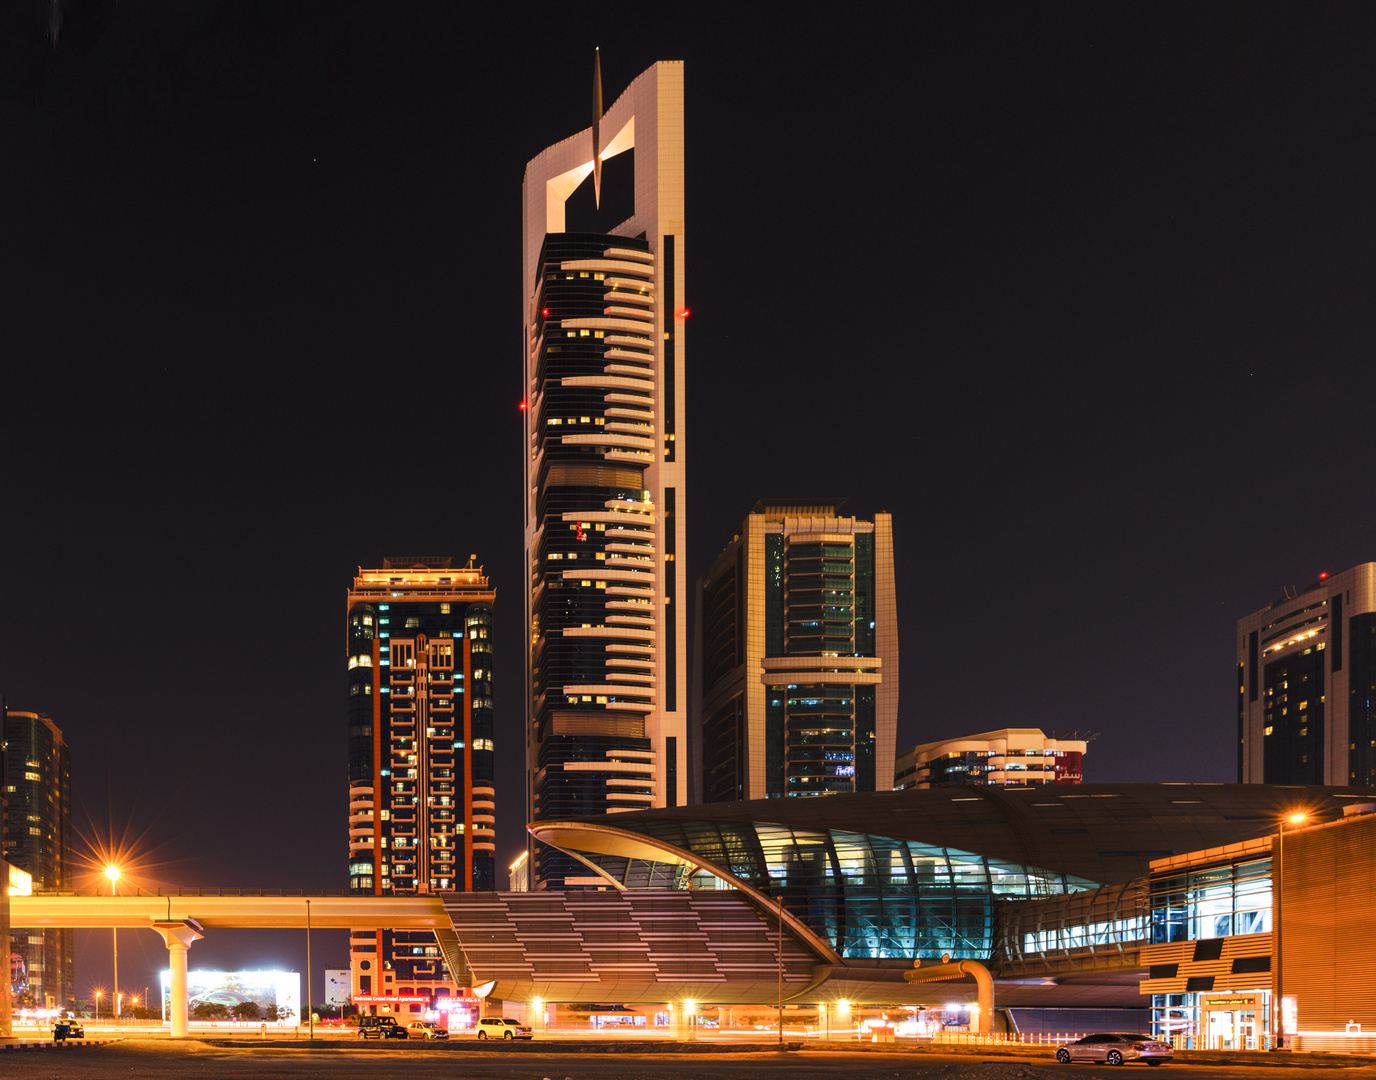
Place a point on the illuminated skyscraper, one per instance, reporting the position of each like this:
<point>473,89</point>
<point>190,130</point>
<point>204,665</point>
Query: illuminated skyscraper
<point>421,798</point>
<point>797,656</point>
<point>38,839</point>
<point>1306,684</point>
<point>604,465</point>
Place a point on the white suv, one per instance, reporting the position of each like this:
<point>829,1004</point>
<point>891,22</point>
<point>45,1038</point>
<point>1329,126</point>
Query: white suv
<point>502,1027</point>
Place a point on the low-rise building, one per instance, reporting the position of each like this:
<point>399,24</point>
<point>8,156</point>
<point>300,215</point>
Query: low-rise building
<point>1226,945</point>
<point>1012,757</point>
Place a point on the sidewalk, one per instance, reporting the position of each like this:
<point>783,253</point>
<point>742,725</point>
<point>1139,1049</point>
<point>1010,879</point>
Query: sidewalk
<point>1256,1059</point>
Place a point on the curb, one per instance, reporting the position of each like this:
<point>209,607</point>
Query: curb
<point>68,1044</point>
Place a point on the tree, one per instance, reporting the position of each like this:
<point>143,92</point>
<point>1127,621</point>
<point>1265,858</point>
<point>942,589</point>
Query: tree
<point>246,1010</point>
<point>209,1010</point>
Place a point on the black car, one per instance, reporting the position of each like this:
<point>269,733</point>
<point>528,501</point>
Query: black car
<point>380,1027</point>
<point>68,1029</point>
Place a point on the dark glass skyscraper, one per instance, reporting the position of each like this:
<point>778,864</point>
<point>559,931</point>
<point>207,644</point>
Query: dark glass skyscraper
<point>421,742</point>
<point>38,839</point>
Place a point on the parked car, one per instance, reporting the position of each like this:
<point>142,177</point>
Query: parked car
<point>1116,1048</point>
<point>68,1029</point>
<point>380,1027</point>
<point>502,1027</point>
<point>419,1029</point>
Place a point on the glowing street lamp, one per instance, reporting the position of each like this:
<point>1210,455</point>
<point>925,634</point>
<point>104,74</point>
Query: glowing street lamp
<point>1294,818</point>
<point>99,995</point>
<point>112,872</point>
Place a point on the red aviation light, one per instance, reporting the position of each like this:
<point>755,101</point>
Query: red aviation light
<point>1323,575</point>
<point>524,405</point>
<point>544,313</point>
<point>683,314</point>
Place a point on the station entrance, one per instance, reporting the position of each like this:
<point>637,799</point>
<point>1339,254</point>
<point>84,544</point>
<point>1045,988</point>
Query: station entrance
<point>1235,1021</point>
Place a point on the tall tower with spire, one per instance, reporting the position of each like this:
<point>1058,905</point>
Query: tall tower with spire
<point>604,449</point>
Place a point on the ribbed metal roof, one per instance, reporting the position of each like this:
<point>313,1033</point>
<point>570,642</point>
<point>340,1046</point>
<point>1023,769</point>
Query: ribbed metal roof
<point>1106,833</point>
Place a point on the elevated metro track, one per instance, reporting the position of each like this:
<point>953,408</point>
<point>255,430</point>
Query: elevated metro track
<point>242,912</point>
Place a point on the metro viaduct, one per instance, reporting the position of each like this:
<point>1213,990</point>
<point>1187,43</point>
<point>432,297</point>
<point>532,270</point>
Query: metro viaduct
<point>661,946</point>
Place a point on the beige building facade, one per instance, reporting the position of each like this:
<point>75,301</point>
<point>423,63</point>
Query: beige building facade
<point>796,667</point>
<point>1011,757</point>
<point>604,361</point>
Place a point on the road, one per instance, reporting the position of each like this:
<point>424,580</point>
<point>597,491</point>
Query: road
<point>192,1060</point>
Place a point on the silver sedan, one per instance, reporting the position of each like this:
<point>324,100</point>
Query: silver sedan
<point>1116,1048</point>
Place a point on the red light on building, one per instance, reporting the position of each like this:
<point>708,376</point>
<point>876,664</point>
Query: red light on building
<point>523,406</point>
<point>544,312</point>
<point>683,314</point>
<point>1323,575</point>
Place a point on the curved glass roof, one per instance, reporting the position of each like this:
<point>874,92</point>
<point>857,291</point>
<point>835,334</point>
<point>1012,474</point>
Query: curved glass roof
<point>918,873</point>
<point>867,896</point>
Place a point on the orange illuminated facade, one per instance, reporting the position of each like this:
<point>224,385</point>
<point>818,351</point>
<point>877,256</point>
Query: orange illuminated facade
<point>421,796</point>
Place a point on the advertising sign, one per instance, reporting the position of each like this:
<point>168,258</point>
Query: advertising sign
<point>232,988</point>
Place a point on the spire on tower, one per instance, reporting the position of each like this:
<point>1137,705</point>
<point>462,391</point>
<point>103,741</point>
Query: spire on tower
<point>596,127</point>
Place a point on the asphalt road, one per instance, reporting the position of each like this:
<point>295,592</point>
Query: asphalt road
<point>150,1060</point>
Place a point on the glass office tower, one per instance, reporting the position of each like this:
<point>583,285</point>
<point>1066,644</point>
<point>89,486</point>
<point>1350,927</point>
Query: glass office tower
<point>38,839</point>
<point>1306,684</point>
<point>797,657</point>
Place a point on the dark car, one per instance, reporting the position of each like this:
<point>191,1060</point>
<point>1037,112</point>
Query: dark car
<point>380,1027</point>
<point>68,1029</point>
<point>1116,1048</point>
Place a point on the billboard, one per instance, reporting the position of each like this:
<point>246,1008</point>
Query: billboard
<point>231,988</point>
<point>338,983</point>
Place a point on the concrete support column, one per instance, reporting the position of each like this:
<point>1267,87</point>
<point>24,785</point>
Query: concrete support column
<point>178,936</point>
<point>176,960</point>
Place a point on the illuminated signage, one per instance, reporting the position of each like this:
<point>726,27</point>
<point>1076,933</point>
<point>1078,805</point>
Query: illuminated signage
<point>21,882</point>
<point>230,989</point>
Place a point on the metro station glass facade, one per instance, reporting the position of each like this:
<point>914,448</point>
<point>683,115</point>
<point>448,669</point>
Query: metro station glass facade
<point>870,897</point>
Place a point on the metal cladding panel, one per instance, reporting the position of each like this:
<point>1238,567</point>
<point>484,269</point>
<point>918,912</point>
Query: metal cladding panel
<point>1180,955</point>
<point>1328,928</point>
<point>650,945</point>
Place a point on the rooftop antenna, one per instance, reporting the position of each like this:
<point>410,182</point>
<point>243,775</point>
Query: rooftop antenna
<point>597,127</point>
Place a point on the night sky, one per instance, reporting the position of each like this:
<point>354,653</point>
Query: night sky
<point>1081,293</point>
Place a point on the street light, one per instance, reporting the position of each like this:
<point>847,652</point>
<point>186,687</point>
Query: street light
<point>1295,818</point>
<point>112,872</point>
<point>99,994</point>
